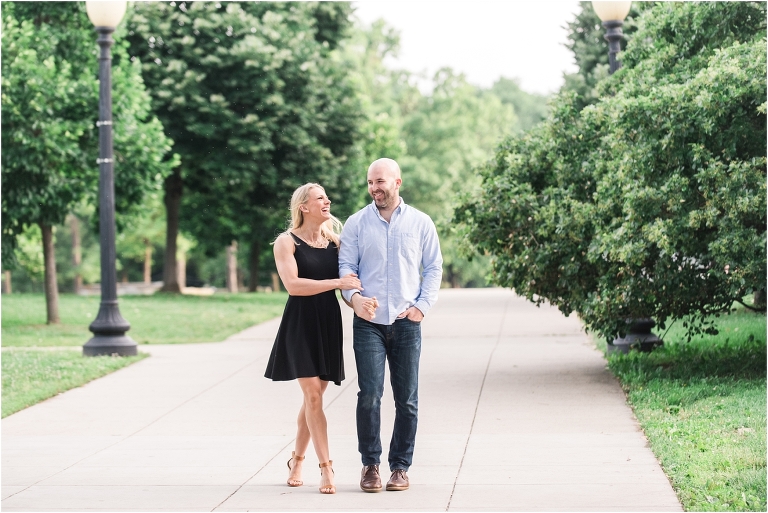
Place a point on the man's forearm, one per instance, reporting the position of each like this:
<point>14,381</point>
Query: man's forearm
<point>347,294</point>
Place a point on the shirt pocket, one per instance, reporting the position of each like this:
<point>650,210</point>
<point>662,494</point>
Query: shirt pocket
<point>410,247</point>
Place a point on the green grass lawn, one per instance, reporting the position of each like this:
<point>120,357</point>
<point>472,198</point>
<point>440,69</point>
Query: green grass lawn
<point>36,364</point>
<point>702,405</point>
<point>156,319</point>
<point>33,375</point>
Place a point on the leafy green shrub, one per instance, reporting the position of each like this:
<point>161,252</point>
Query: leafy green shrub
<point>651,202</point>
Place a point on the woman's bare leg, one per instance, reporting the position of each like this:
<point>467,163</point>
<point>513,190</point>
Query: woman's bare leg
<point>313,389</point>
<point>300,448</point>
<point>302,434</point>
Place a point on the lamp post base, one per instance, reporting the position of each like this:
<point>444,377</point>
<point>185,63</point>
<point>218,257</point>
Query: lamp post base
<point>110,345</point>
<point>639,338</point>
<point>109,328</point>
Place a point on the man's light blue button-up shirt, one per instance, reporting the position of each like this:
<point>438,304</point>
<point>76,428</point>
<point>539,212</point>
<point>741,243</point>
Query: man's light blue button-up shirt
<point>398,262</point>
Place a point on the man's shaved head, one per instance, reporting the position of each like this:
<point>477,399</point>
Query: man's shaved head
<point>385,164</point>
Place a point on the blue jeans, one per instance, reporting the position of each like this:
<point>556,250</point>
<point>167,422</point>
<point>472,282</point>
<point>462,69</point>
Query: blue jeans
<point>400,343</point>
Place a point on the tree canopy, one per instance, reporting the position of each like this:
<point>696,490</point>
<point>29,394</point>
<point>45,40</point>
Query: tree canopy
<point>50,105</point>
<point>652,201</point>
<point>256,103</point>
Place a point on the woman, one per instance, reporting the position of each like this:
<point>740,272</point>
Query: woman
<point>308,346</point>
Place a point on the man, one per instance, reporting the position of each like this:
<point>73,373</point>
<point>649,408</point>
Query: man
<point>394,250</point>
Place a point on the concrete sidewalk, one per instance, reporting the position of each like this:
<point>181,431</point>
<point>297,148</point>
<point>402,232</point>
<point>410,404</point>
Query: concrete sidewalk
<point>517,413</point>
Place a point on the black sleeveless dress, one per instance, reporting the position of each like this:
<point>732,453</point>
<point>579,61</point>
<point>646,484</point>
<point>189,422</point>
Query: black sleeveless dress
<point>309,341</point>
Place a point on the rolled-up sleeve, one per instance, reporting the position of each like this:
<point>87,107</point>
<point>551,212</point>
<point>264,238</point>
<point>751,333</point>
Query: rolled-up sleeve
<point>349,253</point>
<point>432,270</point>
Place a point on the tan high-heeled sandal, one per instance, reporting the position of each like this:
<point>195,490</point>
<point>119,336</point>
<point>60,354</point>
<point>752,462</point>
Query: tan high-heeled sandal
<point>294,482</point>
<point>327,489</point>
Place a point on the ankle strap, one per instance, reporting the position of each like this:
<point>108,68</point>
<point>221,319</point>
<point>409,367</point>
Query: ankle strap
<point>297,458</point>
<point>326,464</point>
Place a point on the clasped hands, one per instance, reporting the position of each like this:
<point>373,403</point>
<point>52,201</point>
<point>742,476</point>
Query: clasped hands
<point>364,307</point>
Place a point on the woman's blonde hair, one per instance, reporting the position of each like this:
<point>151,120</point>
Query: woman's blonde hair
<point>329,230</point>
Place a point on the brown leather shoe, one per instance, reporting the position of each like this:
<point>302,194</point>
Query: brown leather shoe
<point>370,480</point>
<point>398,481</point>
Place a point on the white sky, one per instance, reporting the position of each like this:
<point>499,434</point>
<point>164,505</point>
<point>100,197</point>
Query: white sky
<point>484,39</point>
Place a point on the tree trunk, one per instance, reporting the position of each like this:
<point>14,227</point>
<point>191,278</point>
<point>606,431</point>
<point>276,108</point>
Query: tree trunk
<point>173,191</point>
<point>77,252</point>
<point>124,276</point>
<point>6,282</point>
<point>181,262</point>
<point>759,299</point>
<point>253,280</point>
<point>452,276</point>
<point>232,267</point>
<point>275,282</point>
<point>147,261</point>
<point>51,287</point>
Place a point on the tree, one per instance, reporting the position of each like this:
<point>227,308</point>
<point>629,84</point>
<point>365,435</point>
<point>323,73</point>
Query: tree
<point>529,108</point>
<point>28,257</point>
<point>257,105</point>
<point>50,142</point>
<point>652,201</point>
<point>386,97</point>
<point>144,232</point>
<point>77,249</point>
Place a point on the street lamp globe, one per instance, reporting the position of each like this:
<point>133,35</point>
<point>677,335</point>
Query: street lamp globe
<point>105,14</point>
<point>609,11</point>
<point>612,15</point>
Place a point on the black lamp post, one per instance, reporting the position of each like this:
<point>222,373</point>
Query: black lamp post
<point>109,328</point>
<point>612,14</point>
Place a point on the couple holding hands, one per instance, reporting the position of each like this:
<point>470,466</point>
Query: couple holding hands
<point>388,265</point>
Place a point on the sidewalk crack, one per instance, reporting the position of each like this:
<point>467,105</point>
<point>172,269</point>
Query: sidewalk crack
<point>477,404</point>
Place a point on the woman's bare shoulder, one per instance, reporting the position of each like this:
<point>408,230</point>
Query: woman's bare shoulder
<point>284,242</point>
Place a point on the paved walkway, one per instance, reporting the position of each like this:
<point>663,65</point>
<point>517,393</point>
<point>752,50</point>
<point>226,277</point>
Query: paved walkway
<point>517,412</point>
